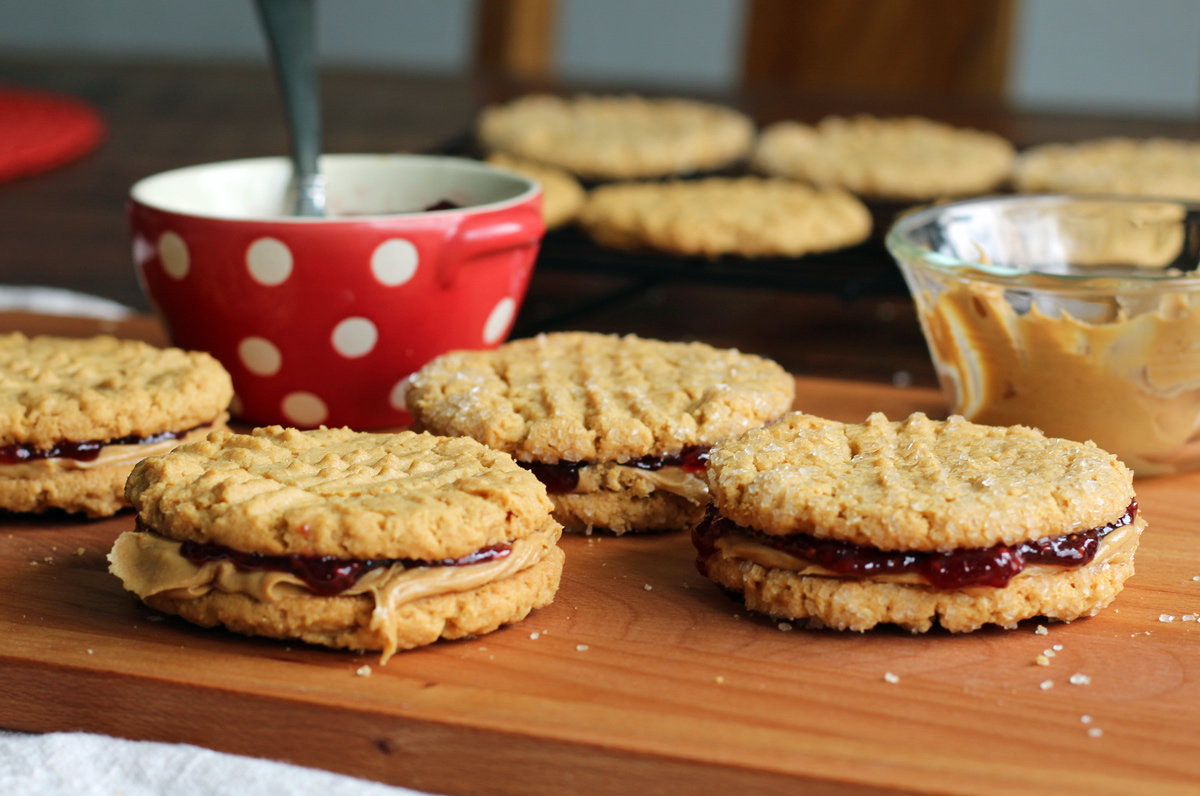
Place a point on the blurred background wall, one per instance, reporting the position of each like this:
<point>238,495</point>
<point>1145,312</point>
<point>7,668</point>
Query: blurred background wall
<point>1110,56</point>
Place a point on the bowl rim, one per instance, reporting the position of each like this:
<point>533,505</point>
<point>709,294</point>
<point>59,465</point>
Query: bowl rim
<point>532,188</point>
<point>908,253</point>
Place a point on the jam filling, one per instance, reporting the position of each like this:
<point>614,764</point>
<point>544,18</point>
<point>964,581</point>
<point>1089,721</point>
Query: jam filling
<point>958,569</point>
<point>324,575</point>
<point>564,477</point>
<point>84,450</point>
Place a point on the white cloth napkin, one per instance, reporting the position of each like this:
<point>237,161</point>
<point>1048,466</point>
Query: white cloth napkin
<point>56,301</point>
<point>81,764</point>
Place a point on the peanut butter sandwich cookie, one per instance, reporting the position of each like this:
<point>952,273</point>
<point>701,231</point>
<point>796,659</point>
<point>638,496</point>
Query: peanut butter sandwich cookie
<point>916,522</point>
<point>1157,167</point>
<point>747,217</point>
<point>77,414</point>
<point>335,537</point>
<point>906,159</point>
<point>618,428</point>
<point>607,138</point>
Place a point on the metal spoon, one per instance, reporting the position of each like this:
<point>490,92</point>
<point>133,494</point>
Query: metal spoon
<point>290,31</point>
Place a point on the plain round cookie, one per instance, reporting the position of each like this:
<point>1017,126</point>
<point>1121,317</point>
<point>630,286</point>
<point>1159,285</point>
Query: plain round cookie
<point>917,484</point>
<point>579,396</point>
<point>562,195</point>
<point>345,621</point>
<point>627,137</point>
<point>903,158</point>
<point>337,492</point>
<point>850,604</point>
<point>746,216</point>
<point>1158,167</point>
<point>101,388</point>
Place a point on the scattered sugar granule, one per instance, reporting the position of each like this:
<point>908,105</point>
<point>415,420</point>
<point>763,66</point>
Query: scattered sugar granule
<point>784,626</point>
<point>737,616</point>
<point>363,671</point>
<point>1196,577</point>
<point>1079,679</point>
<point>1057,647</point>
<point>89,652</point>
<point>718,679</point>
<point>1095,732</point>
<point>33,563</point>
<point>1086,719</point>
<point>1166,618</point>
<point>1042,660</point>
<point>1188,617</point>
<point>648,587</point>
<point>80,551</point>
<point>1046,685</point>
<point>687,585</point>
<point>1041,630</point>
<point>890,678</point>
<point>49,559</point>
<point>483,649</point>
<point>534,636</point>
<point>1050,653</point>
<point>581,647</point>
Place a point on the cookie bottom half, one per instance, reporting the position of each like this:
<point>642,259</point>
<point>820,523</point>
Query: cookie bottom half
<point>346,621</point>
<point>847,604</point>
<point>96,492</point>
<point>625,512</point>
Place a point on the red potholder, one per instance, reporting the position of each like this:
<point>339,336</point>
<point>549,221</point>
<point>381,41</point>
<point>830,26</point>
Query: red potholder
<point>40,131</point>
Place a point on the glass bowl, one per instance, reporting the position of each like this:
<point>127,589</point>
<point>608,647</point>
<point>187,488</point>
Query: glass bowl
<point>1077,315</point>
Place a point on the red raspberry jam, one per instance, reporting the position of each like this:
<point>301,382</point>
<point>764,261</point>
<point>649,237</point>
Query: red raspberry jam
<point>958,569</point>
<point>564,477</point>
<point>82,451</point>
<point>324,575</point>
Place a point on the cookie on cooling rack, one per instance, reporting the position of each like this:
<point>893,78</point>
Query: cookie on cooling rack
<point>77,414</point>
<point>911,159</point>
<point>746,217</point>
<point>335,537</point>
<point>562,195</point>
<point>916,522</point>
<point>616,427</point>
<point>1155,167</point>
<point>617,137</point>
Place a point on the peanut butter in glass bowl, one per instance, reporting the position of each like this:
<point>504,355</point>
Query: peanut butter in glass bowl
<point>1077,315</point>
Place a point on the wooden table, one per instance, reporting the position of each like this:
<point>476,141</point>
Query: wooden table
<point>643,677</point>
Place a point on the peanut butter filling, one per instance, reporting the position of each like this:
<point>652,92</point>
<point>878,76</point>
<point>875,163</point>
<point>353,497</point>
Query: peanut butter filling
<point>1116,547</point>
<point>125,456</point>
<point>149,564</point>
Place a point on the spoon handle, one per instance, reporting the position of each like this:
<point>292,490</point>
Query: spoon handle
<point>290,31</point>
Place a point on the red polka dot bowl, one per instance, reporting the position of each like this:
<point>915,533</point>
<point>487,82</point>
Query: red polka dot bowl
<point>321,320</point>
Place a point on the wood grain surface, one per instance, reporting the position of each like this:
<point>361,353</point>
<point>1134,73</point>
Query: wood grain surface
<point>642,677</point>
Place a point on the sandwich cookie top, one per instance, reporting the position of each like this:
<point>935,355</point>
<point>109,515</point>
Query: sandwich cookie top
<point>577,396</point>
<point>55,389</point>
<point>917,484</point>
<point>339,493</point>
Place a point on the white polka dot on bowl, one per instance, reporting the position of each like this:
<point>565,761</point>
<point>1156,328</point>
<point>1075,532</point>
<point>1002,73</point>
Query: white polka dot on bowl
<point>304,409</point>
<point>355,337</point>
<point>399,396</point>
<point>260,356</point>
<point>499,320</point>
<point>173,252</point>
<point>269,261</point>
<point>394,262</point>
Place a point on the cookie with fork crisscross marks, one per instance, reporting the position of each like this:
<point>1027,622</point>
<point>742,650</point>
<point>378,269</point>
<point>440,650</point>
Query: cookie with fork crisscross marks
<point>598,416</point>
<point>367,541</point>
<point>916,522</point>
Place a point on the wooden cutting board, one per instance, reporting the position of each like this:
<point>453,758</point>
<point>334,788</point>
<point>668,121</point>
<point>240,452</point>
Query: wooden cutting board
<point>640,678</point>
